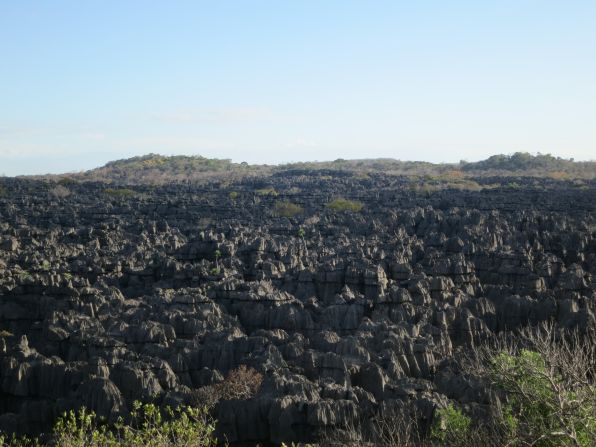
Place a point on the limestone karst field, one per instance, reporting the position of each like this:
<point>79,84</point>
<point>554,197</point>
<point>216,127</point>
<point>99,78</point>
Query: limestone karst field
<point>343,291</point>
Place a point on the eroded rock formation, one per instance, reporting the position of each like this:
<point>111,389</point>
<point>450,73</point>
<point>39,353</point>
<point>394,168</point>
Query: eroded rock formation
<point>107,298</point>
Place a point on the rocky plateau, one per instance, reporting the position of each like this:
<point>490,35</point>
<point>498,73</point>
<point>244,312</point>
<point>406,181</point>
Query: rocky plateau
<point>147,293</point>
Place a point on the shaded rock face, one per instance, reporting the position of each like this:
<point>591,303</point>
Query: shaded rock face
<point>107,299</point>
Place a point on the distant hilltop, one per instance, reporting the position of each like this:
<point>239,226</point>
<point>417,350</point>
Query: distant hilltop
<point>159,169</point>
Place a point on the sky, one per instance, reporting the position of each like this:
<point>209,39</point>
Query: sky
<point>86,82</point>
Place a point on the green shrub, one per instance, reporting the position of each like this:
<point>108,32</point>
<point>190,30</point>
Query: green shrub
<point>25,275</point>
<point>341,204</point>
<point>18,441</point>
<point>266,192</point>
<point>149,427</point>
<point>541,405</point>
<point>233,195</point>
<point>451,427</point>
<point>288,209</point>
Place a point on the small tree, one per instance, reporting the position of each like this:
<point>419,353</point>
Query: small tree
<point>301,233</point>
<point>240,383</point>
<point>546,379</point>
<point>217,255</point>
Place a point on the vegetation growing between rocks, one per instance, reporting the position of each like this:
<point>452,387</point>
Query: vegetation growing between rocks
<point>543,394</point>
<point>266,192</point>
<point>240,383</point>
<point>119,192</point>
<point>349,313</point>
<point>149,426</point>
<point>341,204</point>
<point>287,209</point>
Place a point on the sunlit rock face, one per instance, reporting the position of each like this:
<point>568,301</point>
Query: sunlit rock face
<point>108,297</point>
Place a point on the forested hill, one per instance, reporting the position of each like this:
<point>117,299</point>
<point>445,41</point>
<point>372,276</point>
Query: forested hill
<point>159,169</point>
<point>522,162</point>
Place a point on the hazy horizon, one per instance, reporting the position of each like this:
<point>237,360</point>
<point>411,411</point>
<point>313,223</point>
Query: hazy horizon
<point>269,82</point>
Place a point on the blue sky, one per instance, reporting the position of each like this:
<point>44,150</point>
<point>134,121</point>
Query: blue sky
<point>85,82</point>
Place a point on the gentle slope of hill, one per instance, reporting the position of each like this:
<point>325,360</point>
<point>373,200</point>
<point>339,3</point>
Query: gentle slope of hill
<point>159,169</point>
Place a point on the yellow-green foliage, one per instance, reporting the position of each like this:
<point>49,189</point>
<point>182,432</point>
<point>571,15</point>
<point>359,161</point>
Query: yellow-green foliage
<point>449,180</point>
<point>451,427</point>
<point>266,192</point>
<point>119,192</point>
<point>233,195</point>
<point>18,441</point>
<point>25,275</point>
<point>341,204</point>
<point>288,209</point>
<point>544,406</point>
<point>541,404</point>
<point>149,427</point>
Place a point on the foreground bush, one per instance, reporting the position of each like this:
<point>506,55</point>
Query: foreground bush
<point>543,387</point>
<point>149,427</point>
<point>548,383</point>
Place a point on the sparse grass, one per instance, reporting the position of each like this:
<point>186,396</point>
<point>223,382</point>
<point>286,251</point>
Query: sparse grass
<point>266,192</point>
<point>341,204</point>
<point>60,191</point>
<point>67,181</point>
<point>119,192</point>
<point>558,175</point>
<point>288,209</point>
<point>449,180</point>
